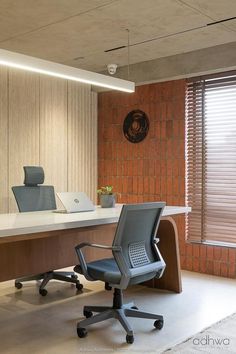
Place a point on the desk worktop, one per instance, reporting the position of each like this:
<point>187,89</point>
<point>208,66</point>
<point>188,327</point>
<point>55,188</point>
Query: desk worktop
<point>28,223</point>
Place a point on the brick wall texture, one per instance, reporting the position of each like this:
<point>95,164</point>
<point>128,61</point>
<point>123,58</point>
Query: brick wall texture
<point>154,169</point>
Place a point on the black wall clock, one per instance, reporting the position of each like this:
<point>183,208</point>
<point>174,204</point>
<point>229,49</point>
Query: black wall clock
<point>136,126</point>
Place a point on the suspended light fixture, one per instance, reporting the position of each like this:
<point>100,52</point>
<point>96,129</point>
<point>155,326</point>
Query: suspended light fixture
<point>25,62</point>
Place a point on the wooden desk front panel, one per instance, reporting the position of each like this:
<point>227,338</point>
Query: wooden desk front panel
<point>37,253</point>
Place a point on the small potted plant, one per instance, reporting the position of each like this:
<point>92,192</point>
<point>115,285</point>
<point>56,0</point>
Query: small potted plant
<point>106,196</point>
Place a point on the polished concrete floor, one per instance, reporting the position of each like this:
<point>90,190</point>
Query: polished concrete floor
<point>30,323</point>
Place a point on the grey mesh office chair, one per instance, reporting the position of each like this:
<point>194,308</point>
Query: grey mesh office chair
<point>136,259</point>
<point>34,197</point>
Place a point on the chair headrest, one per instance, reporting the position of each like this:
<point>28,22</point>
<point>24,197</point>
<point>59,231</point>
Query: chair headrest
<point>34,175</point>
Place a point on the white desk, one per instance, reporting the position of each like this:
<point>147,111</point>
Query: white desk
<point>36,242</point>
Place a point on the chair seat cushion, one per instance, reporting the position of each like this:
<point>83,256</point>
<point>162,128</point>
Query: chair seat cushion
<point>103,269</point>
<point>107,270</point>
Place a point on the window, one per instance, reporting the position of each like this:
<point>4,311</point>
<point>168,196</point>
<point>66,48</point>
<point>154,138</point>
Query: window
<point>211,159</point>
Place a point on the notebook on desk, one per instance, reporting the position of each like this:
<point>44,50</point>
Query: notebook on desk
<point>75,202</point>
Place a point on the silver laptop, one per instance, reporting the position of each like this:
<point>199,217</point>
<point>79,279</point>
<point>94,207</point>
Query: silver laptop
<point>75,202</point>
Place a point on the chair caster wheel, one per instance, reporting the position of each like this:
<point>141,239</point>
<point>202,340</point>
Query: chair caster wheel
<point>107,287</point>
<point>129,339</point>
<point>43,292</point>
<point>159,324</point>
<point>18,285</point>
<point>134,308</point>
<point>74,276</point>
<point>88,314</point>
<point>79,286</point>
<point>82,333</point>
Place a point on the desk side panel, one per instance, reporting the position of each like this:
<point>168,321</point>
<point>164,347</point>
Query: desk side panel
<point>169,248</point>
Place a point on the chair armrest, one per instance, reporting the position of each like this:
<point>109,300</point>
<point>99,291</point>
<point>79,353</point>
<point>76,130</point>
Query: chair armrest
<point>87,244</point>
<point>82,261</point>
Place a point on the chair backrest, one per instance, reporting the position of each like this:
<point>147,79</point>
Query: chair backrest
<point>32,196</point>
<point>135,235</point>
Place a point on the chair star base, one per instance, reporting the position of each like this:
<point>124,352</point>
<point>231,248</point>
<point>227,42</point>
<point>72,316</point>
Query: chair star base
<point>119,311</point>
<point>69,277</point>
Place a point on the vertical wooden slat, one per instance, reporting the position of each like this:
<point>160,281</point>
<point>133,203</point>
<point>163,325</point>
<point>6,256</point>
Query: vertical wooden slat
<point>94,147</point>
<point>53,131</point>
<point>82,139</point>
<point>23,126</point>
<point>4,203</point>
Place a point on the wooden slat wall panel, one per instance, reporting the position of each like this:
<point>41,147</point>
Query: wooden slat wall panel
<point>49,122</point>
<point>82,139</point>
<point>4,203</point>
<point>53,131</point>
<point>23,126</point>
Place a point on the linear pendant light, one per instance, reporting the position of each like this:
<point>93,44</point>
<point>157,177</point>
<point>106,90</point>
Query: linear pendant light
<point>25,62</point>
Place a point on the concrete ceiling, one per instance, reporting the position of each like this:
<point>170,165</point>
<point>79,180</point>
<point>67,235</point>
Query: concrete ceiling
<point>77,32</point>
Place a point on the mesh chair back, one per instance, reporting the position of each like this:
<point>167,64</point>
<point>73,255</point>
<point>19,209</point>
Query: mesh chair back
<point>31,196</point>
<point>135,233</point>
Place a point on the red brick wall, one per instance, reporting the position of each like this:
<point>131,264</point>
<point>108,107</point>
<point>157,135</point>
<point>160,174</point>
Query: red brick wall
<point>154,169</point>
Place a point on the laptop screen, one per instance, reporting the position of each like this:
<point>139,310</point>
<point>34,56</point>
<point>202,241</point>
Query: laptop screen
<point>75,202</point>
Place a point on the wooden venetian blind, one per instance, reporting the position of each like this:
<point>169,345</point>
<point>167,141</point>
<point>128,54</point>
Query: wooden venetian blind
<point>211,159</point>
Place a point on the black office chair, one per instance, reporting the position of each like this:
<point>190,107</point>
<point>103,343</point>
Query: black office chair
<point>136,259</point>
<point>34,197</point>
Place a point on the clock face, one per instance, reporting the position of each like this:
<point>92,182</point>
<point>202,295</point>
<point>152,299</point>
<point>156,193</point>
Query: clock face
<point>136,126</point>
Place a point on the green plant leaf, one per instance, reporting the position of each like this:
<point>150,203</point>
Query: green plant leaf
<point>105,190</point>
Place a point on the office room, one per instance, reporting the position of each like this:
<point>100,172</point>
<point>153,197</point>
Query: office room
<point>117,184</point>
